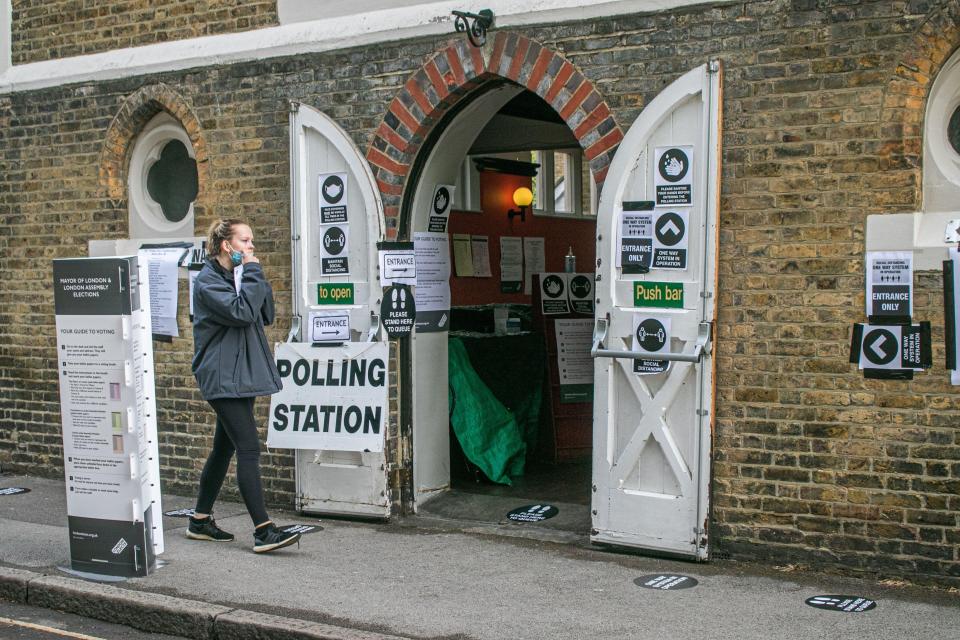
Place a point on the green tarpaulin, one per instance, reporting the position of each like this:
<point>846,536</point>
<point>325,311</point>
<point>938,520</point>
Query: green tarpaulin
<point>487,431</point>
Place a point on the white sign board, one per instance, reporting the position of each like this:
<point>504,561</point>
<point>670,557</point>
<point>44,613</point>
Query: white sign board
<point>398,264</point>
<point>889,283</point>
<point>329,326</point>
<point>332,397</point>
<point>673,176</point>
<point>574,363</point>
<point>432,295</point>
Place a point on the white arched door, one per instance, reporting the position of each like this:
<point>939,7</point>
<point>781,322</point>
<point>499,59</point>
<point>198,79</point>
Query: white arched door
<point>657,258</point>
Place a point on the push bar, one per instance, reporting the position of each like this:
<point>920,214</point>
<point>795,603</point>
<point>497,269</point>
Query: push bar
<point>600,335</point>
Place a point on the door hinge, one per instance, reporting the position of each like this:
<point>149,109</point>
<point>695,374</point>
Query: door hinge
<point>702,412</point>
<point>714,65</point>
<point>706,294</point>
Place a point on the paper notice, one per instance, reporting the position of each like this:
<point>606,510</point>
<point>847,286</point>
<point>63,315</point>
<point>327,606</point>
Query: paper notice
<point>534,261</point>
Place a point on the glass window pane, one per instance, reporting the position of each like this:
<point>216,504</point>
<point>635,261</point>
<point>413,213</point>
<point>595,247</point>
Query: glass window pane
<point>563,187</point>
<point>172,181</point>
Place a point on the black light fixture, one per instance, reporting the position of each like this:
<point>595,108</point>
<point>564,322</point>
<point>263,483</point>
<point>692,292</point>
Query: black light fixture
<point>523,198</point>
<point>475,24</point>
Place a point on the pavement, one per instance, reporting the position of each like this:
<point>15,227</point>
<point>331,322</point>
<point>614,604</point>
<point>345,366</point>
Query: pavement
<point>438,578</point>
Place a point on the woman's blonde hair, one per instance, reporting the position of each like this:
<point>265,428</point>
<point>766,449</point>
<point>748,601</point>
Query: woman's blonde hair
<point>219,231</point>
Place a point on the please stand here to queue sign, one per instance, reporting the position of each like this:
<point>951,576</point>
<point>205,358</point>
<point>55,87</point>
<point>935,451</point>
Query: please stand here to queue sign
<point>332,398</point>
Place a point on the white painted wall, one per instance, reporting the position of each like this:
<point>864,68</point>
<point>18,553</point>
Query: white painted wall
<point>328,34</point>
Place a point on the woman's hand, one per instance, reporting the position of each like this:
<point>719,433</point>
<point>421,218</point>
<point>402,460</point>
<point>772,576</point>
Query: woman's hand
<point>249,257</point>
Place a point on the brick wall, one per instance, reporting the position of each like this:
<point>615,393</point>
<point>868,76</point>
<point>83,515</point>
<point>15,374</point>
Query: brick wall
<point>822,106</point>
<point>51,29</point>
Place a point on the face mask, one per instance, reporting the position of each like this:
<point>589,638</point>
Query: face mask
<point>236,258</point>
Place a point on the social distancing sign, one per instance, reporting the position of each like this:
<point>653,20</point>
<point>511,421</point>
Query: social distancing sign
<point>334,250</point>
<point>332,397</point>
<point>651,334</point>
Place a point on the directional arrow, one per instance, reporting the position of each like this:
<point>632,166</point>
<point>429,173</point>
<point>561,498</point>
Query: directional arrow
<point>880,346</point>
<point>670,229</point>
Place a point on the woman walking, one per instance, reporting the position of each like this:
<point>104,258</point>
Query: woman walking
<point>233,365</point>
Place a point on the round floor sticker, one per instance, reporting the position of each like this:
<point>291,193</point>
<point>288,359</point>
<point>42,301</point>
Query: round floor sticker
<point>179,513</point>
<point>665,582</point>
<point>533,513</point>
<point>302,529</point>
<point>13,491</point>
<point>846,604</point>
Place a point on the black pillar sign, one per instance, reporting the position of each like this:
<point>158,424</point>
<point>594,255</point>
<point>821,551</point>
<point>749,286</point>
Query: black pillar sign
<point>333,198</point>
<point>673,176</point>
<point>951,317</point>
<point>398,311</point>
<point>889,285</point>
<point>671,239</point>
<point>333,250</point>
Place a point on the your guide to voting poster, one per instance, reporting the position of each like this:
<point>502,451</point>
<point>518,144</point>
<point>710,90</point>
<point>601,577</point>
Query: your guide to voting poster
<point>334,224</point>
<point>108,409</point>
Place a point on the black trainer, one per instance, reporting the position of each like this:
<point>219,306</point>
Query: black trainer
<point>268,538</point>
<point>207,529</point>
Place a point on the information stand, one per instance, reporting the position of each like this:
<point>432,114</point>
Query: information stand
<point>108,410</point>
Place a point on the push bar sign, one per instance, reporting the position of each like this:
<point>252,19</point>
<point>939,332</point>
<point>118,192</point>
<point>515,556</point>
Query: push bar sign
<point>332,397</point>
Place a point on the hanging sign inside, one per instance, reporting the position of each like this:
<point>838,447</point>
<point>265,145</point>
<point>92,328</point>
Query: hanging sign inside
<point>673,175</point>
<point>398,311</point>
<point>332,397</point>
<point>333,198</point>
<point>846,604</point>
<point>889,284</point>
<point>440,208</point>
<point>398,263</point>
<point>553,293</point>
<point>432,295</point>
<point>651,334</point>
<point>891,351</point>
<point>665,582</point>
<point>951,296</point>
<point>329,326</point>
<point>580,288</point>
<point>333,250</point>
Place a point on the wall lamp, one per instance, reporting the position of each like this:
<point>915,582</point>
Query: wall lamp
<point>475,24</point>
<point>522,197</point>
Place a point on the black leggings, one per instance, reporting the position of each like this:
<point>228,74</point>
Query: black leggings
<point>236,431</point>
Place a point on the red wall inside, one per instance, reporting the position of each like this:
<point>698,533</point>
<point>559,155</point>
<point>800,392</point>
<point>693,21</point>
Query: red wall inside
<point>496,197</point>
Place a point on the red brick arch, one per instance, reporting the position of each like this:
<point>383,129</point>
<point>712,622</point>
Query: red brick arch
<point>906,92</point>
<point>454,72</point>
<point>135,112</point>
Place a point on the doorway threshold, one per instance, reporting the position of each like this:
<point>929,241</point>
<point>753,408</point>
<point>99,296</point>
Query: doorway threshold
<point>487,515</point>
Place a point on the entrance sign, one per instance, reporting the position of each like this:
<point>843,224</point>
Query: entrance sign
<point>334,250</point>
<point>440,208</point>
<point>889,284</point>
<point>670,239</point>
<point>846,604</point>
<point>432,295</point>
<point>398,311</point>
<point>891,346</point>
<point>651,334</point>
<point>665,582</point>
<point>553,293</point>
<point>658,294</point>
<point>635,251</point>
<point>329,326</point>
<point>652,434</point>
<point>111,459</point>
<point>673,175</point>
<point>333,198</point>
<point>573,359</point>
<point>332,398</point>
<point>398,263</point>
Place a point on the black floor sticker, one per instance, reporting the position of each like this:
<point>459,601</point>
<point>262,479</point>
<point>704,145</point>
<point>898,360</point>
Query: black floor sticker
<point>13,491</point>
<point>302,529</point>
<point>179,513</point>
<point>847,604</point>
<point>533,513</point>
<point>665,582</point>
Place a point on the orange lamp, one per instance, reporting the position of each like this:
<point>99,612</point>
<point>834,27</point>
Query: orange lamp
<point>522,197</point>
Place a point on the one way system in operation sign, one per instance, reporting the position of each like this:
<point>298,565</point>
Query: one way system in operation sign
<point>891,351</point>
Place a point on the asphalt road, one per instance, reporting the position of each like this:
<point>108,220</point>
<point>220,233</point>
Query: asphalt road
<point>23,622</point>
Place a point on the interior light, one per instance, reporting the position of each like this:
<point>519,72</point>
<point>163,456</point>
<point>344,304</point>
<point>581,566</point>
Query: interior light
<point>522,197</point>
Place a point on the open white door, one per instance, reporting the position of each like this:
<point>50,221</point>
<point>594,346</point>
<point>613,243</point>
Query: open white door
<point>652,433</point>
<point>335,482</point>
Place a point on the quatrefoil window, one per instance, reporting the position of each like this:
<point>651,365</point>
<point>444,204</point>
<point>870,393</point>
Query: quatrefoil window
<point>172,181</point>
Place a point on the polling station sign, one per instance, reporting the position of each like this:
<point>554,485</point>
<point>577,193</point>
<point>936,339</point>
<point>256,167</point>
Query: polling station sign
<point>332,397</point>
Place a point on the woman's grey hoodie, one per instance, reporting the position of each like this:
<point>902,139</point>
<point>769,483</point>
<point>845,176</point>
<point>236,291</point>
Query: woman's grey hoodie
<point>231,357</point>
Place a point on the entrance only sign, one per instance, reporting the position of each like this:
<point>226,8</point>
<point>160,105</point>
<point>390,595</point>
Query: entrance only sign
<point>889,284</point>
<point>332,397</point>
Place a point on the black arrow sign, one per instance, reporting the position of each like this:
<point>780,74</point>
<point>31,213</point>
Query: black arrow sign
<point>670,229</point>
<point>880,346</point>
